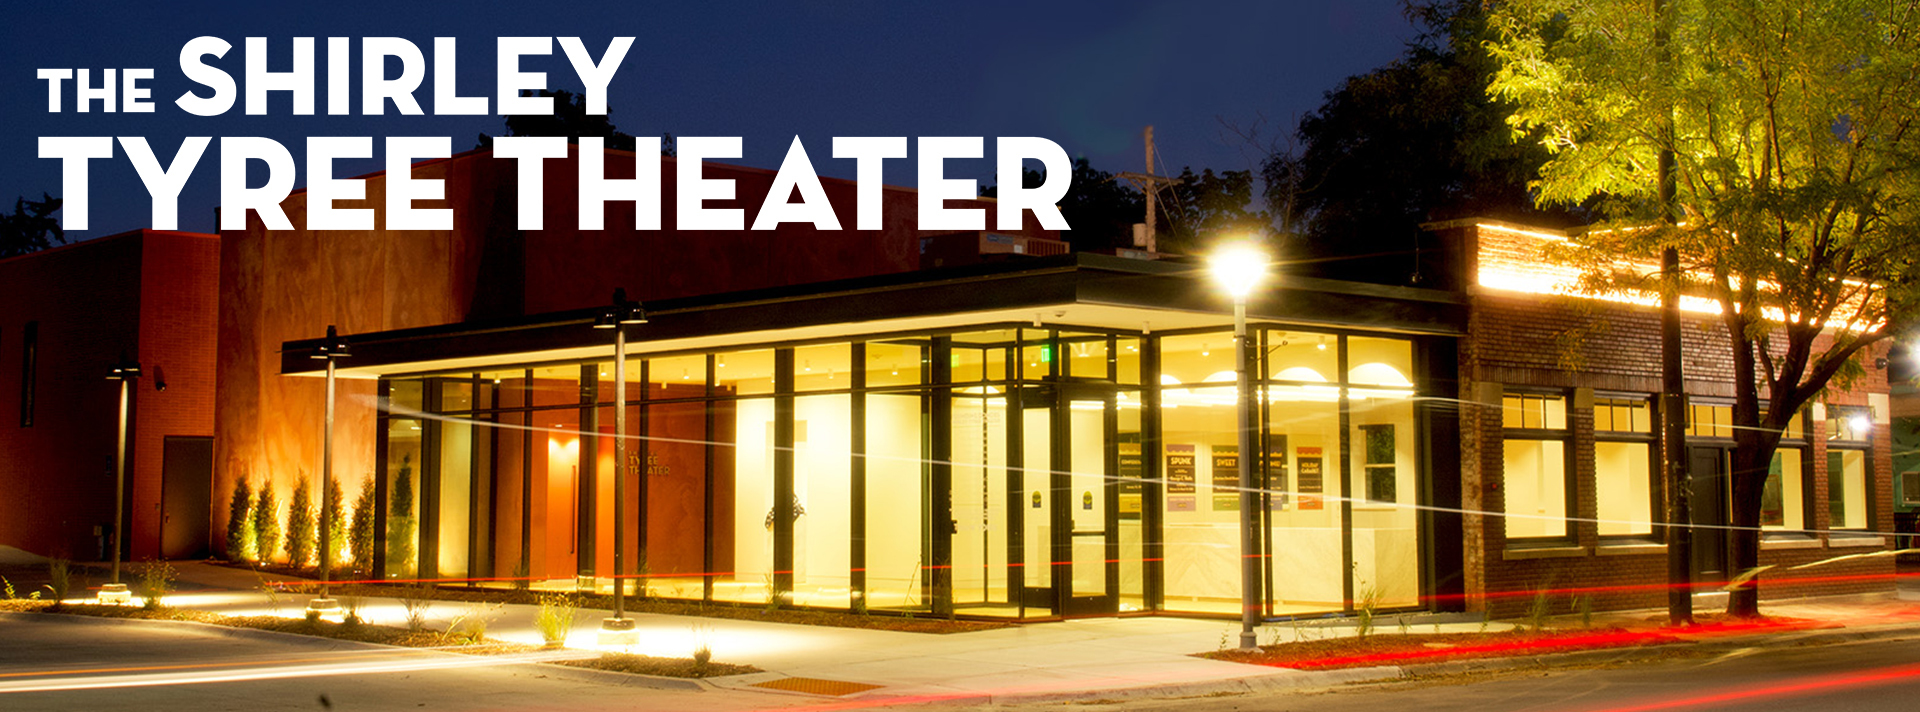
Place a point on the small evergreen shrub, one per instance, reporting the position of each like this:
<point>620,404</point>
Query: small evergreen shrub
<point>240,535</point>
<point>301,526</point>
<point>266,522</point>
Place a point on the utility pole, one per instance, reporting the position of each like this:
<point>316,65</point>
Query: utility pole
<point>1679,533</point>
<point>1150,185</point>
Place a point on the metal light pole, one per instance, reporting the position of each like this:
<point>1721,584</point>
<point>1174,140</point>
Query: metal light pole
<point>331,349</point>
<point>1239,269</point>
<point>619,630</point>
<point>126,372</point>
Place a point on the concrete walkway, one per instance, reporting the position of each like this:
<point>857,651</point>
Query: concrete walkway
<point>1093,658</point>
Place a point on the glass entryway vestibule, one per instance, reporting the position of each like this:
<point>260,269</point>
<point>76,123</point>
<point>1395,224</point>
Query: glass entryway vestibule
<point>1001,471</point>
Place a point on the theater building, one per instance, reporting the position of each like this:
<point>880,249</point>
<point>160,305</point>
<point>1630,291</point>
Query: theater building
<point>815,420</point>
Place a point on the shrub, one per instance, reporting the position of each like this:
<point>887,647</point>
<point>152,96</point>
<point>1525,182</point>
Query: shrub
<point>266,522</point>
<point>555,619</point>
<point>334,517</point>
<point>300,525</point>
<point>240,535</point>
<point>156,582</point>
<point>416,599</point>
<point>360,534</point>
<point>400,530</point>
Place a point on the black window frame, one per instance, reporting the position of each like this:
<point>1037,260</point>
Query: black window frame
<point>1564,434</point>
<point>1651,439</point>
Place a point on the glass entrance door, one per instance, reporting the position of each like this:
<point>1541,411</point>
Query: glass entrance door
<point>1085,502</point>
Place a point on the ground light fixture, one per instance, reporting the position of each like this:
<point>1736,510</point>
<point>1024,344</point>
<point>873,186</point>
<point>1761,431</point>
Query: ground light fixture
<point>1239,269</point>
<point>126,372</point>
<point>623,312</point>
<point>331,349</point>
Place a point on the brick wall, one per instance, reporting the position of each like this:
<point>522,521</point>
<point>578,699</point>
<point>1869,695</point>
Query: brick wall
<point>1581,345</point>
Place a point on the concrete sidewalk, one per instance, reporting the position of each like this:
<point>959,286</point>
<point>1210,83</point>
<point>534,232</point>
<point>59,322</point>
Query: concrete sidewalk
<point>1086,659</point>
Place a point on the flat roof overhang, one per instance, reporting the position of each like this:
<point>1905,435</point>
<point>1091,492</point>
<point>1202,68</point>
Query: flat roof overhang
<point>1065,291</point>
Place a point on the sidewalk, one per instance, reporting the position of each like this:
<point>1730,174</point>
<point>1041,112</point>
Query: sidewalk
<point>1085,659</point>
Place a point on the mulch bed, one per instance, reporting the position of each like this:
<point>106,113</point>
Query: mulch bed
<point>1417,648</point>
<point>662,667</point>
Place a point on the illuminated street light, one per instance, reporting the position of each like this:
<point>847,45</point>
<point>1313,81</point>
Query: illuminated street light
<point>126,372</point>
<point>1239,269</point>
<point>619,630</point>
<point>330,350</point>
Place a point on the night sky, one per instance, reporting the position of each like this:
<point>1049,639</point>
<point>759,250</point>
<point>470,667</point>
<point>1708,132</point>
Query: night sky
<point>1087,75</point>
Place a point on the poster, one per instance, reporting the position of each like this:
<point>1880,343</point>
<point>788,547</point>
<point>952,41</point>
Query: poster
<point>1180,478</point>
<point>1309,463</point>
<point>1226,478</point>
<point>1277,480</point>
<point>1131,486</point>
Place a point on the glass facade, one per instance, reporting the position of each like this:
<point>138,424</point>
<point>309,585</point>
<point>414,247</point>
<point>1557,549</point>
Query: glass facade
<point>1000,471</point>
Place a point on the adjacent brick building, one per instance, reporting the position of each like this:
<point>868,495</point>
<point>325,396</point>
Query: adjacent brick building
<point>67,315</point>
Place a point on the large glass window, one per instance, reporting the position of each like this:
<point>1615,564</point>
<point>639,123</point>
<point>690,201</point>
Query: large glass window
<point>1782,504</point>
<point>1386,550</point>
<point>1847,489</point>
<point>1623,466</point>
<point>1534,478</point>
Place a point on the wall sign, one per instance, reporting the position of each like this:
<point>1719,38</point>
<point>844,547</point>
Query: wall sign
<point>1226,478</point>
<point>1309,463</point>
<point>1180,478</point>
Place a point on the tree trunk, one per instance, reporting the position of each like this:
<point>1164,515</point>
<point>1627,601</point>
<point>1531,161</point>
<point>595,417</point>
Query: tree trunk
<point>1748,480</point>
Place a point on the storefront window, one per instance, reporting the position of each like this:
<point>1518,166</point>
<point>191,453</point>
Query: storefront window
<point>1386,564</point>
<point>1782,505</point>
<point>1847,489</point>
<point>1623,466</point>
<point>1534,478</point>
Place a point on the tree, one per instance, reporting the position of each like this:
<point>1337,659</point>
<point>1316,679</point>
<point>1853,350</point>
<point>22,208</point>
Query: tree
<point>333,517</point>
<point>1792,129</point>
<point>360,534</point>
<point>1202,207</point>
<point>1411,142</point>
<point>300,525</point>
<point>570,119</point>
<point>1100,210</point>
<point>240,534</point>
<point>400,530</point>
<point>266,522</point>
<point>31,227</point>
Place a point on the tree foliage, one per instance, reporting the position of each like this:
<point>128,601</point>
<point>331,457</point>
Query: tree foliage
<point>571,120</point>
<point>1203,207</point>
<point>400,528</point>
<point>31,227</point>
<point>360,534</point>
<point>240,534</point>
<point>1099,208</point>
<point>266,522</point>
<point>333,520</point>
<point>1797,209</point>
<point>301,529</point>
<point>1411,142</point>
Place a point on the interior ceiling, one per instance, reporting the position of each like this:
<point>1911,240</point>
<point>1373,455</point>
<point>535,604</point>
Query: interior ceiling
<point>1070,315</point>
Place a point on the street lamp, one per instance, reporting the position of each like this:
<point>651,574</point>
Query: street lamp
<point>619,630</point>
<point>330,349</point>
<point>126,372</point>
<point>1238,269</point>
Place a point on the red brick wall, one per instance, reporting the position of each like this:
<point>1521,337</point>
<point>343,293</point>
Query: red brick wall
<point>1517,339</point>
<point>146,295</point>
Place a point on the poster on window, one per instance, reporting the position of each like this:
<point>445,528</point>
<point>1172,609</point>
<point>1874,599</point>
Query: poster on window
<point>1226,478</point>
<point>1277,480</point>
<point>1180,478</point>
<point>1308,462</point>
<point>1131,487</point>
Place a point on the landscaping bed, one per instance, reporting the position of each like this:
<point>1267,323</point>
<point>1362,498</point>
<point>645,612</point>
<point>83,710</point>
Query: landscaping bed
<point>459,641</point>
<point>1418,648</point>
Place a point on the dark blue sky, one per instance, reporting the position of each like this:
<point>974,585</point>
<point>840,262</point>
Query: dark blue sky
<point>1087,75</point>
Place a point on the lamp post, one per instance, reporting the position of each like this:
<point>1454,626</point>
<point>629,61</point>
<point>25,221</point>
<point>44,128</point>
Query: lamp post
<point>1238,269</point>
<point>126,372</point>
<point>330,349</point>
<point>619,630</point>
